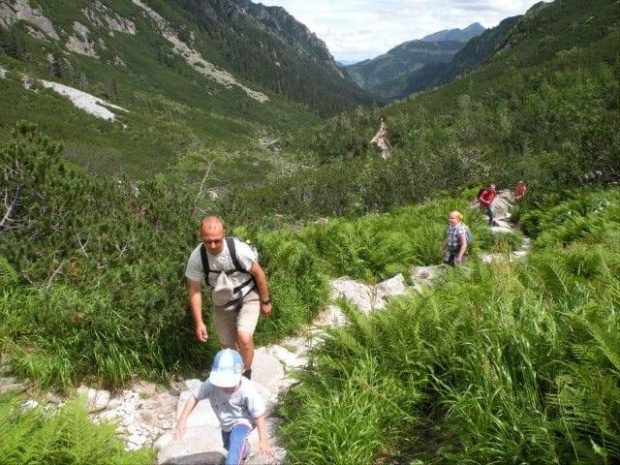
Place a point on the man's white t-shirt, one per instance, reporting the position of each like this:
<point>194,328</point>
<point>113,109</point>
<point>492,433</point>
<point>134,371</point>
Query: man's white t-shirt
<point>221,262</point>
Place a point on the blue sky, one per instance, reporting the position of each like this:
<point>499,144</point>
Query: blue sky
<point>354,30</point>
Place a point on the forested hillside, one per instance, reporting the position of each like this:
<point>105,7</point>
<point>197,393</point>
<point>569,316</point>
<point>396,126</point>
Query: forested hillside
<point>188,77</point>
<point>385,74</point>
<point>545,109</point>
<point>419,64</point>
<point>471,57</point>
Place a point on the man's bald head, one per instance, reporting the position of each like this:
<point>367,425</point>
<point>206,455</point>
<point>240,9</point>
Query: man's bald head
<point>212,223</point>
<point>212,232</point>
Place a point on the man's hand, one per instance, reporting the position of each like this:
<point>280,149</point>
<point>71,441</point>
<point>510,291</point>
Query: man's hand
<point>201,332</point>
<point>266,309</point>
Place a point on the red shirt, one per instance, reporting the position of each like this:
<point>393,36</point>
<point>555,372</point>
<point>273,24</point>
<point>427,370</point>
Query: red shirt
<point>520,190</point>
<point>487,196</point>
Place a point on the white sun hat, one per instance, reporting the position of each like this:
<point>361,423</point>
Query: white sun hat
<point>227,369</point>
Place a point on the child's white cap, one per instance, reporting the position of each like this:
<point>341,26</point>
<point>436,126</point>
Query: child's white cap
<point>227,369</point>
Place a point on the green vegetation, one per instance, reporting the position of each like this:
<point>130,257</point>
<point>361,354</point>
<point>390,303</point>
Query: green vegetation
<point>513,363</point>
<point>386,74</point>
<point>94,273</point>
<point>546,120</point>
<point>172,110</point>
<point>509,363</point>
<point>67,437</point>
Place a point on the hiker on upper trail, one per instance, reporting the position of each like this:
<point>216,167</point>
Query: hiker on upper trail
<point>456,240</point>
<point>239,288</point>
<point>486,198</point>
<point>237,405</point>
<point>380,139</point>
<point>520,191</point>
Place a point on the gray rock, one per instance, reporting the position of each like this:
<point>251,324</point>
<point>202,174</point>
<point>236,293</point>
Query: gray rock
<point>200,445</point>
<point>96,400</point>
<point>267,371</point>
<point>332,316</point>
<point>359,294</point>
<point>390,287</point>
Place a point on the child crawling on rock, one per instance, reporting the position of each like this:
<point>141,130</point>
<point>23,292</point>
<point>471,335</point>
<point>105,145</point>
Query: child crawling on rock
<point>237,405</point>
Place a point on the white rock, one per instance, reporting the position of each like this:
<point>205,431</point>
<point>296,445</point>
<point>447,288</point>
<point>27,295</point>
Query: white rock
<point>288,359</point>
<point>96,399</point>
<point>332,316</point>
<point>199,446</point>
<point>29,405</point>
<point>359,294</point>
<point>267,370</point>
<point>137,439</point>
<point>390,287</point>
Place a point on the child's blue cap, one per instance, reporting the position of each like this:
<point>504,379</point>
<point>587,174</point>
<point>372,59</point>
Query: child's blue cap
<point>227,369</point>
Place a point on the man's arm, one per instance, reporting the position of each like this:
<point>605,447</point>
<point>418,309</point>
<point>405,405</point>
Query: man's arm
<point>263,289</point>
<point>195,303</point>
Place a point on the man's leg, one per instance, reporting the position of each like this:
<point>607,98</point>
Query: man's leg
<point>225,323</point>
<point>238,447</point>
<point>245,341</point>
<point>247,319</point>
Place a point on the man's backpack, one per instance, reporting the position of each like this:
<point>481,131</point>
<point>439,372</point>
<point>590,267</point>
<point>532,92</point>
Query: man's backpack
<point>249,283</point>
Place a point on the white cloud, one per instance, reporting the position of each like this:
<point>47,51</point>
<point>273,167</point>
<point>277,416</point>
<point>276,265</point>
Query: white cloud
<point>359,29</point>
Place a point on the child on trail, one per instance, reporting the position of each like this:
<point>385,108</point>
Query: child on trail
<point>520,191</point>
<point>486,198</point>
<point>455,243</point>
<point>237,405</point>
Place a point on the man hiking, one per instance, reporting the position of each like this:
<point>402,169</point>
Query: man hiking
<point>486,198</point>
<point>239,289</point>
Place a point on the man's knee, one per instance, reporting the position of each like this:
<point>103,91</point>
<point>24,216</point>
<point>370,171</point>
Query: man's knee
<point>244,339</point>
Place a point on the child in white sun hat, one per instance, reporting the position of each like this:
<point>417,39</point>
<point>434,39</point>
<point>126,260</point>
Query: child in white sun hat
<point>237,405</point>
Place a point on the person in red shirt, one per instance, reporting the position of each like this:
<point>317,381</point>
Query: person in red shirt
<point>486,198</point>
<point>520,191</point>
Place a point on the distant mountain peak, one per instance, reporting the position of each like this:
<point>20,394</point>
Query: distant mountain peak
<point>459,35</point>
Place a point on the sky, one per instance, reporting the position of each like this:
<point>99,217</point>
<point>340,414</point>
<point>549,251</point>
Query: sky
<point>354,30</point>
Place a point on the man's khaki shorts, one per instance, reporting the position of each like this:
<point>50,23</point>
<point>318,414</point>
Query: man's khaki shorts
<point>228,322</point>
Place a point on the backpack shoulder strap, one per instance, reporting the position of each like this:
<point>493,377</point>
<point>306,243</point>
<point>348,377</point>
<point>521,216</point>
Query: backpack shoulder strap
<point>230,241</point>
<point>205,263</point>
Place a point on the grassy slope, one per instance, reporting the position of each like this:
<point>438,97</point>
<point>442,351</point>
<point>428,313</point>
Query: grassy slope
<point>171,107</point>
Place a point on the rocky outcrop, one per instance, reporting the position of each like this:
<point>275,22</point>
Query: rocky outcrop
<point>21,10</point>
<point>103,17</point>
<point>81,43</point>
<point>194,58</point>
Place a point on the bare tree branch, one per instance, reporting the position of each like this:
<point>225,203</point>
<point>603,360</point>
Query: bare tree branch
<point>82,246</point>
<point>56,271</point>
<point>9,208</point>
<point>204,179</point>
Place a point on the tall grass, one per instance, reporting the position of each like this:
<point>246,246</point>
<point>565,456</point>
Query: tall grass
<point>510,363</point>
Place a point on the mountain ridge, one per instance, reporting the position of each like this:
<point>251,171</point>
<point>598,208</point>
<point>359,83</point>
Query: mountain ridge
<point>459,35</point>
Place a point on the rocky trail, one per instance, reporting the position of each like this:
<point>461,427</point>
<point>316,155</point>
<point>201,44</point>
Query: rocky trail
<point>146,413</point>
